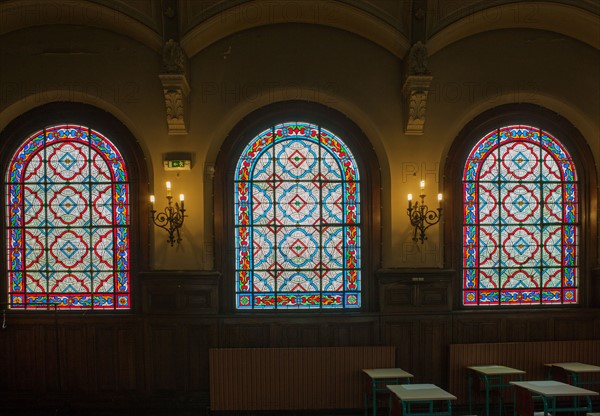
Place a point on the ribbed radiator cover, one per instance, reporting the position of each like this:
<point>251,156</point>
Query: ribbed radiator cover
<point>292,378</point>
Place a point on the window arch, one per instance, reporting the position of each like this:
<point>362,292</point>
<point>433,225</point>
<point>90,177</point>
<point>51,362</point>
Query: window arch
<point>298,204</point>
<point>525,232</point>
<point>521,220</point>
<point>68,231</point>
<point>297,225</point>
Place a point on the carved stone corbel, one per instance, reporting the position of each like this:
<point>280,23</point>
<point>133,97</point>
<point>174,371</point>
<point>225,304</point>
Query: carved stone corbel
<point>175,87</point>
<point>416,89</point>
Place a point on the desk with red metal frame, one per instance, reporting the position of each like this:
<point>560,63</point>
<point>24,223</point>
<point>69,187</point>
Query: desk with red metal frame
<point>380,377</point>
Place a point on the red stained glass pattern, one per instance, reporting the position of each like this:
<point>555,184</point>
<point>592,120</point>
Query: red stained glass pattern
<point>297,221</point>
<point>521,221</point>
<point>67,210</point>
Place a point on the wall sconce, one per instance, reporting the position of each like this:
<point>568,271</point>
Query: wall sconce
<point>421,217</point>
<point>171,219</point>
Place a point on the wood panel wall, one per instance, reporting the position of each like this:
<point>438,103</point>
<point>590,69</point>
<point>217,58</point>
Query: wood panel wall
<point>293,378</point>
<point>530,357</point>
<point>157,356</point>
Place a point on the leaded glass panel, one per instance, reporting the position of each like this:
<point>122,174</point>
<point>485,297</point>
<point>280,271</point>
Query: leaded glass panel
<point>68,222</point>
<point>297,221</point>
<point>520,223</point>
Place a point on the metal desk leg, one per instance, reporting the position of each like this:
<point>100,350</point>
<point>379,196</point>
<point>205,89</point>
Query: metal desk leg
<point>374,392</point>
<point>487,395</point>
<point>470,388</point>
<point>575,378</point>
<point>589,403</point>
<point>520,377</point>
<point>545,405</point>
<point>552,405</point>
<point>575,381</point>
<point>500,403</point>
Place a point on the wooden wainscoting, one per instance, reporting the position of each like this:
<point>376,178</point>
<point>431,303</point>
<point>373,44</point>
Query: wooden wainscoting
<point>527,356</point>
<point>292,378</point>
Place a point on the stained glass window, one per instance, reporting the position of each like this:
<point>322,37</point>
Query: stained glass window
<point>520,220</point>
<point>67,210</point>
<point>297,221</point>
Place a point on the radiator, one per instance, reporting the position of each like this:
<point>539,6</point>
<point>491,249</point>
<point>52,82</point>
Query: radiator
<point>292,378</point>
<point>526,356</point>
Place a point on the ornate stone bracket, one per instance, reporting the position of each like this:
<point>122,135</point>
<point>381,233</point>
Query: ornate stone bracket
<point>416,88</point>
<point>175,89</point>
<point>175,86</point>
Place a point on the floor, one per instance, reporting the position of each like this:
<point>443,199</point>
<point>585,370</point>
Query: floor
<point>74,411</point>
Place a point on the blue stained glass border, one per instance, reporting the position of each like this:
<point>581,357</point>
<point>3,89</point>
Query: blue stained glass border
<point>246,225</point>
<point>36,144</point>
<point>550,151</point>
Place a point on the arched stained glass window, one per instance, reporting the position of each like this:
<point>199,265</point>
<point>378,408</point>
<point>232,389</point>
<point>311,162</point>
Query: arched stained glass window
<point>297,221</point>
<point>67,213</point>
<point>520,220</point>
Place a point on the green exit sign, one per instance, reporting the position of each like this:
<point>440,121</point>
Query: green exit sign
<point>177,165</point>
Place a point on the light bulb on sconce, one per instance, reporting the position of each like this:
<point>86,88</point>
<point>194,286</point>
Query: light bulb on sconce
<point>171,218</point>
<point>421,217</point>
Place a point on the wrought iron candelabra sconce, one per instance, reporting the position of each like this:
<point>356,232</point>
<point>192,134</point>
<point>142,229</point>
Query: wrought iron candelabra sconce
<point>171,218</point>
<point>421,217</point>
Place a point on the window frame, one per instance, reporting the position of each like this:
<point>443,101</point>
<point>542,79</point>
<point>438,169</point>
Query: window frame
<point>47,115</point>
<point>578,148</point>
<point>233,145</point>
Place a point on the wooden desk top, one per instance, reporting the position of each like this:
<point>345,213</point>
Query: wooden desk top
<point>416,392</point>
<point>495,370</point>
<point>382,373</point>
<point>577,367</point>
<point>551,388</point>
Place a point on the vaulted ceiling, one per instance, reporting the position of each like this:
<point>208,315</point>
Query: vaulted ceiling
<point>392,24</point>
